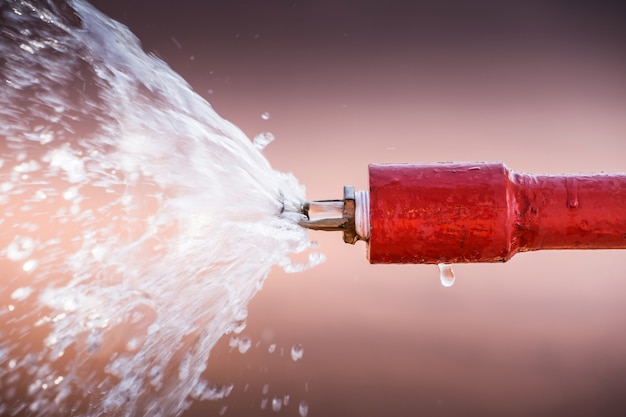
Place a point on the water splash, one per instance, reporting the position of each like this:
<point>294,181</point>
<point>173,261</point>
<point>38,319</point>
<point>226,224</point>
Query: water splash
<point>136,223</point>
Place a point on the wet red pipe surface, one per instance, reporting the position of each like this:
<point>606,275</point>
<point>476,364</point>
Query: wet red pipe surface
<point>484,212</point>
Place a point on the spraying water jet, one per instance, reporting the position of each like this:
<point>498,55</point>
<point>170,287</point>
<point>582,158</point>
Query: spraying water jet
<point>121,270</point>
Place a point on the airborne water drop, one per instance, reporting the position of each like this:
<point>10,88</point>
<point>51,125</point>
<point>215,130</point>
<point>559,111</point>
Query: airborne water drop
<point>303,408</point>
<point>21,293</point>
<point>244,344</point>
<point>30,265</point>
<point>277,404</point>
<point>20,248</point>
<point>297,351</point>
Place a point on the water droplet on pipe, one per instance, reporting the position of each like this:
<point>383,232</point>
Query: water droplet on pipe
<point>446,275</point>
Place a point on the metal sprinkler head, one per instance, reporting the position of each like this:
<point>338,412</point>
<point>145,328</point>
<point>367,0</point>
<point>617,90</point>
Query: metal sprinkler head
<point>332,215</point>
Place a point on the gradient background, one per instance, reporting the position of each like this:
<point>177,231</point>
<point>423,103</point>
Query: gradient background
<point>540,85</point>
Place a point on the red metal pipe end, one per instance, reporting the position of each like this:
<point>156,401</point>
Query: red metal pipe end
<point>483,212</point>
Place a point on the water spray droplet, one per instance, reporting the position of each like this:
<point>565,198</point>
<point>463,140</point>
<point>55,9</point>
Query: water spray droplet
<point>30,265</point>
<point>446,275</point>
<point>263,139</point>
<point>6,186</point>
<point>21,293</point>
<point>133,344</point>
<point>303,408</point>
<point>30,166</point>
<point>271,348</point>
<point>244,344</point>
<point>233,342</point>
<point>265,116</point>
<point>40,195</point>
<point>239,326</point>
<point>277,404</point>
<point>70,193</point>
<point>175,41</point>
<point>46,137</point>
<point>21,248</point>
<point>297,351</point>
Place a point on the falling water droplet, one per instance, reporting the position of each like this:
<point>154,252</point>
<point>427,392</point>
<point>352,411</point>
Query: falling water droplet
<point>296,352</point>
<point>27,166</point>
<point>46,137</point>
<point>265,116</point>
<point>271,348</point>
<point>6,186</point>
<point>40,195</point>
<point>277,404</point>
<point>70,193</point>
<point>446,275</point>
<point>21,293</point>
<point>21,248</point>
<point>30,265</point>
<point>133,344</point>
<point>233,342</point>
<point>303,408</point>
<point>263,139</point>
<point>244,344</point>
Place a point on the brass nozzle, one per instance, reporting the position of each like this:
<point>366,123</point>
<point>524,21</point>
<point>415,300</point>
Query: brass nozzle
<point>341,211</point>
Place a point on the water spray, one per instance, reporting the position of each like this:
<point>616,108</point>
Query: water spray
<point>473,212</point>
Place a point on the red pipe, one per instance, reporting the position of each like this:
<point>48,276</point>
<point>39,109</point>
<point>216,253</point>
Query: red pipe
<point>454,213</point>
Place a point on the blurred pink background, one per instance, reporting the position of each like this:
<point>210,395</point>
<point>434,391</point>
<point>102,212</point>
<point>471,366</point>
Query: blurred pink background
<point>540,85</point>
